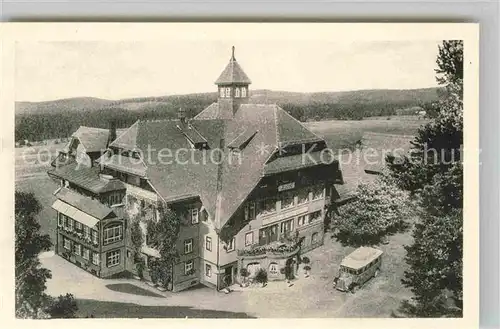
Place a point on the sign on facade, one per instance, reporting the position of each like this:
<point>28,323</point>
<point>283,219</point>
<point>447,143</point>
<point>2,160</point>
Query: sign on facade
<point>287,186</point>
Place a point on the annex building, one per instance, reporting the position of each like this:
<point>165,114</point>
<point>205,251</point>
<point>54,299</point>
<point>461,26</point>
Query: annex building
<point>257,206</point>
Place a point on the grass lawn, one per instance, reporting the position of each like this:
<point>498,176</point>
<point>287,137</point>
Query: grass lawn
<point>341,134</point>
<point>42,187</point>
<point>102,309</point>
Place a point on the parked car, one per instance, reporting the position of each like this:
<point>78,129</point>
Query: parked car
<point>357,268</point>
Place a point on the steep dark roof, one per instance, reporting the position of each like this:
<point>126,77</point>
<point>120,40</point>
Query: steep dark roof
<point>274,128</point>
<point>124,164</point>
<point>223,184</point>
<point>85,204</point>
<point>192,134</point>
<point>93,139</point>
<point>291,131</point>
<point>127,138</point>
<point>233,74</point>
<point>243,139</point>
<point>190,173</point>
<point>298,161</point>
<point>210,113</point>
<point>86,177</point>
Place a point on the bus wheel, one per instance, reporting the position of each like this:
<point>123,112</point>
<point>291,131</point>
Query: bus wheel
<point>376,273</point>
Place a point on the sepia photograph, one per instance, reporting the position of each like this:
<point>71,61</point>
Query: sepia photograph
<point>232,171</point>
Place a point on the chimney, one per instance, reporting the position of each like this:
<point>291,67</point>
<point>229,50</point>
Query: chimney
<point>182,115</point>
<point>112,131</point>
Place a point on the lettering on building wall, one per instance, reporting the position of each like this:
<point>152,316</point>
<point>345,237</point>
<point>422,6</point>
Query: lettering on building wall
<point>285,187</point>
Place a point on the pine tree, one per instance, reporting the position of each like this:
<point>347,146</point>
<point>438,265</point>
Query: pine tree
<point>31,278</point>
<point>30,282</point>
<point>434,174</point>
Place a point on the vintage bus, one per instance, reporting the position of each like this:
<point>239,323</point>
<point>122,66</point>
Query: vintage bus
<point>357,268</point>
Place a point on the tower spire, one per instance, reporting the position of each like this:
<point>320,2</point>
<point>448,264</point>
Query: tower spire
<point>232,55</point>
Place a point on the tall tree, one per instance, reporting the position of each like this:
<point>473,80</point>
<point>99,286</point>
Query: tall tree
<point>434,174</point>
<point>30,282</point>
<point>30,276</point>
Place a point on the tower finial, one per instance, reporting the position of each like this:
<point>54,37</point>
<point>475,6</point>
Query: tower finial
<point>232,56</point>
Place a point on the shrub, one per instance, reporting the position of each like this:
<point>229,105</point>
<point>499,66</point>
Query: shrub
<point>307,268</point>
<point>306,260</point>
<point>261,276</point>
<point>380,209</point>
<point>244,272</point>
<point>63,307</point>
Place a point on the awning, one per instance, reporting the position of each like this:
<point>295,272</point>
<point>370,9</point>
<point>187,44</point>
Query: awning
<point>74,213</point>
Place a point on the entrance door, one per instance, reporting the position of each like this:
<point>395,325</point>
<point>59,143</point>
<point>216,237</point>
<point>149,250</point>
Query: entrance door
<point>228,276</point>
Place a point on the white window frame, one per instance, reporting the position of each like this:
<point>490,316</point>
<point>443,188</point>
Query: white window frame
<point>115,199</point>
<point>208,243</point>
<point>208,270</point>
<point>66,243</point>
<point>113,233</point>
<point>60,220</point>
<point>249,242</point>
<point>86,232</point>
<point>95,236</point>
<point>195,216</point>
<point>222,92</point>
<point>273,269</point>
<point>70,224</point>
<point>95,258</point>
<point>188,246</point>
<point>237,92</point>
<point>244,92</point>
<point>231,245</point>
<point>188,266</point>
<point>86,253</point>
<point>78,226</point>
<point>77,249</point>
<point>283,226</point>
<point>228,91</point>
<point>304,221</point>
<point>113,258</point>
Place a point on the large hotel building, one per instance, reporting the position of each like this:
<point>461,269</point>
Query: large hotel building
<point>259,206</point>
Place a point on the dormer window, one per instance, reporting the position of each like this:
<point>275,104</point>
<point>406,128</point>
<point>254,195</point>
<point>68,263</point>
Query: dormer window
<point>228,92</point>
<point>222,92</point>
<point>244,92</point>
<point>237,92</point>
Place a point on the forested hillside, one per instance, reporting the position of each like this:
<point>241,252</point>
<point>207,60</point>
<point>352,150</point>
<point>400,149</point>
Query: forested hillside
<point>59,118</point>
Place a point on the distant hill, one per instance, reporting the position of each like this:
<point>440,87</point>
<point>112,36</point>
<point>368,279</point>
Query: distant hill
<point>60,118</point>
<point>61,105</point>
<point>411,96</point>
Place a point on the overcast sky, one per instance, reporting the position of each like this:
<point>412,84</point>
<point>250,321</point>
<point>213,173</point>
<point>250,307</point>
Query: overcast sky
<point>47,71</point>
